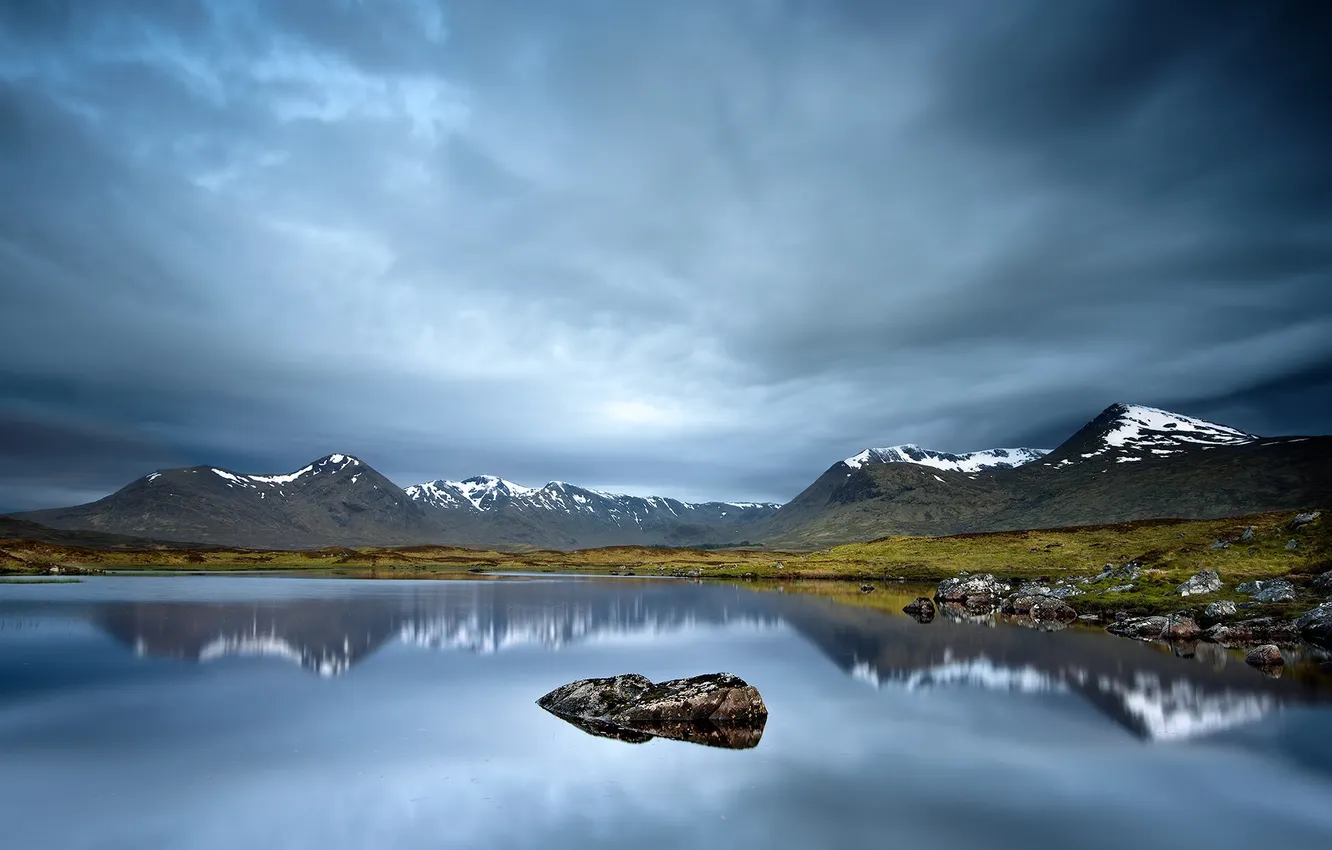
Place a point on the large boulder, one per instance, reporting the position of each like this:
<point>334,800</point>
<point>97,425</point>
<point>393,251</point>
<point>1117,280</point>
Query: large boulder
<point>1254,631</point>
<point>1218,610</point>
<point>1038,608</point>
<point>1179,628</point>
<point>1266,656</point>
<point>719,709</point>
<point>1141,628</point>
<point>1204,581</point>
<point>978,594</point>
<point>1275,590</point>
<point>1316,626</point>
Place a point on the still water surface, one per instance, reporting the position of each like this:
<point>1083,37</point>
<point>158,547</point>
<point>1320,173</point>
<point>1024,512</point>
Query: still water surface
<point>223,712</point>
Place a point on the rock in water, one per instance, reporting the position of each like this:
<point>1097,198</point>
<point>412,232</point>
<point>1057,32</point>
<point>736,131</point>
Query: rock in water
<point>922,608</point>
<point>978,594</point>
<point>1255,631</point>
<point>717,710</point>
<point>1039,609</point>
<point>1180,628</point>
<point>1268,655</point>
<point>1316,626</point>
<point>1204,581</point>
<point>1142,628</point>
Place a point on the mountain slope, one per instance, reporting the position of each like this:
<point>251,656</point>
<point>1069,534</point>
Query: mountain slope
<point>340,500</point>
<point>969,462</point>
<point>1130,462</point>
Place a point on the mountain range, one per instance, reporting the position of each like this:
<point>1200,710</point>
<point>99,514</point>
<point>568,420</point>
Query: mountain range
<point>1129,462</point>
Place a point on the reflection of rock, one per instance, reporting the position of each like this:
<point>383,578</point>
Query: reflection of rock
<point>1039,609</point>
<point>719,709</point>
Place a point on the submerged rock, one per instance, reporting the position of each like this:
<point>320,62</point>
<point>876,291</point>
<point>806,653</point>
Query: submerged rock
<point>922,608</point>
<point>1316,626</point>
<point>717,710</point>
<point>1267,655</point>
<point>1254,631</point>
<point>1204,581</point>
<point>1217,610</point>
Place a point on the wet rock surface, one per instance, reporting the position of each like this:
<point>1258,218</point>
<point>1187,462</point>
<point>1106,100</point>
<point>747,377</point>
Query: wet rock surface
<point>1255,631</point>
<point>977,594</point>
<point>1204,581</point>
<point>1141,628</point>
<point>922,608</point>
<point>1039,608</point>
<point>1266,656</point>
<point>1316,626</point>
<point>1179,627</point>
<point>718,709</point>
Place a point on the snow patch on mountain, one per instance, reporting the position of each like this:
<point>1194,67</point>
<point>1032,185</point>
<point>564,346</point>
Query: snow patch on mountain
<point>968,462</point>
<point>1137,428</point>
<point>485,492</point>
<point>332,464</point>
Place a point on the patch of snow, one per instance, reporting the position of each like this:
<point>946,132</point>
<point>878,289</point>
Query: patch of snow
<point>153,476</point>
<point>1140,427</point>
<point>968,462</point>
<point>940,480</point>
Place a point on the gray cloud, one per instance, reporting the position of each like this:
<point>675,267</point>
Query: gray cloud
<point>695,248</point>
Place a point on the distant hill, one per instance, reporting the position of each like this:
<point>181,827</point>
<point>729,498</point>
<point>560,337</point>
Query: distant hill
<point>340,500</point>
<point>1129,462</point>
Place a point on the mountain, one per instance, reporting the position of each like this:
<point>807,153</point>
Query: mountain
<point>340,500</point>
<point>572,516</point>
<point>1129,462</point>
<point>969,462</point>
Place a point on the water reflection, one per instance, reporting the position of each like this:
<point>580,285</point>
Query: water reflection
<point>1145,690</point>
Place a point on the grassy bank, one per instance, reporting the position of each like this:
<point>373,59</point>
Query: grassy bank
<point>1167,551</point>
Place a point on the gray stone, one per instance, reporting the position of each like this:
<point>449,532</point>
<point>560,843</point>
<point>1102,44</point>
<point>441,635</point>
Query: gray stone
<point>1247,536</point>
<point>719,709</point>
<point>1316,626</point>
<point>1292,545</point>
<point>922,608</point>
<point>1267,655</point>
<point>1323,583</point>
<point>1141,628</point>
<point>1180,628</point>
<point>978,593</point>
<point>1276,590</point>
<point>1031,588</point>
<point>1065,591</point>
<point>1039,608</point>
<point>1302,520</point>
<point>1217,610</point>
<point>1249,587</point>
<point>1205,581</point>
<point>1119,588</point>
<point>1253,631</point>
<point>1221,544</point>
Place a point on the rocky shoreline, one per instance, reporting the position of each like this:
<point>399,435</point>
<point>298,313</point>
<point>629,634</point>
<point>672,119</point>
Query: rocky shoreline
<point>1049,607</point>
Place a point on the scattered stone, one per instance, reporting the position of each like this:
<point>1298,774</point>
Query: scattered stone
<point>1065,591</point>
<point>1141,628</point>
<point>1254,631</point>
<point>1217,610</point>
<point>718,710</point>
<point>1267,655</point>
<point>1221,544</point>
<point>1302,520</point>
<point>1323,582</point>
<point>1316,626</point>
<point>1180,628</point>
<point>1247,536</point>
<point>1292,545</point>
<point>1205,581</point>
<point>1119,588</point>
<point>1276,590</point>
<point>1129,572</point>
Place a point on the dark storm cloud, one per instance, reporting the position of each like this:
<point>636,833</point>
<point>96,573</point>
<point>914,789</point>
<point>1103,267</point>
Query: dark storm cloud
<point>697,248</point>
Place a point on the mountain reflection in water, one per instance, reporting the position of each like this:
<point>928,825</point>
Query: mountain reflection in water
<point>1146,691</point>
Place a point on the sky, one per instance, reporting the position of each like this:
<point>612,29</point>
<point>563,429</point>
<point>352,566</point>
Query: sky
<point>701,248</point>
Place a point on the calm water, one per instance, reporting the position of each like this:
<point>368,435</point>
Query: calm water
<point>223,712</point>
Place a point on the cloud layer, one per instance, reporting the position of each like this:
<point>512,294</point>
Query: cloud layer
<point>695,248</point>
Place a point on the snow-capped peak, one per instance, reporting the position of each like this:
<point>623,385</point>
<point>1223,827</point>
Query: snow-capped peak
<point>484,491</point>
<point>968,462</point>
<point>330,464</point>
<point>1135,428</point>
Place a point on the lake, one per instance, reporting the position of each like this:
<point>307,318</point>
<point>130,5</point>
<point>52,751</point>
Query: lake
<point>223,712</point>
